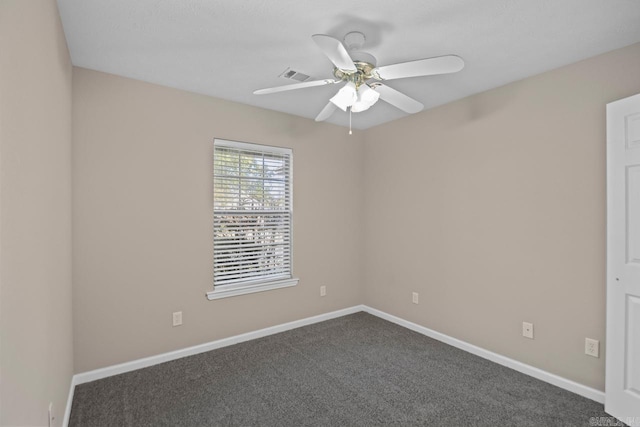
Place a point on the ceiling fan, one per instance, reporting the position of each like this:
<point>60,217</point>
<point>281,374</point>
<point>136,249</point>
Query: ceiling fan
<point>362,78</point>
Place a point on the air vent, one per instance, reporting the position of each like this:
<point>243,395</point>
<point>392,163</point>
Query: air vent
<point>294,75</point>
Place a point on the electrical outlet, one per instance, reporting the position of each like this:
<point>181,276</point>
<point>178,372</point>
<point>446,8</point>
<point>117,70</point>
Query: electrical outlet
<point>51,417</point>
<point>527,330</point>
<point>592,347</point>
<point>414,298</point>
<point>177,318</point>
<point>323,291</point>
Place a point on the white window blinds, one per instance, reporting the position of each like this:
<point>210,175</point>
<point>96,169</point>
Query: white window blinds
<point>252,214</point>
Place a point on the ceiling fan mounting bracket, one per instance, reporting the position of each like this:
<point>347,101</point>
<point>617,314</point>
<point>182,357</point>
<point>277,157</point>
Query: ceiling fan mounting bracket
<point>354,40</point>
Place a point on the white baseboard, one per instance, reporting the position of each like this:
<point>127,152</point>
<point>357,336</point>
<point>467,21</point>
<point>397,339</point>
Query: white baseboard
<point>67,411</point>
<point>548,377</point>
<point>121,368</point>
<point>572,386</point>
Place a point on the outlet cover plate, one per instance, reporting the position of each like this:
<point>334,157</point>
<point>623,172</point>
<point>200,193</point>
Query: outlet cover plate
<point>527,330</point>
<point>591,347</point>
<point>177,318</point>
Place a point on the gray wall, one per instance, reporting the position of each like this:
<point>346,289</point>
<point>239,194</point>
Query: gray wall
<point>36,351</point>
<point>493,209</point>
<point>143,209</point>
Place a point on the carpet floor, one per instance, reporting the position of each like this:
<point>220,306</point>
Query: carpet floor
<point>356,370</point>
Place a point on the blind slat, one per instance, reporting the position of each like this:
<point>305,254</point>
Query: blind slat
<point>235,256</point>
<point>252,245</point>
<point>248,226</point>
<point>238,272</point>
<point>250,276</point>
<point>251,265</point>
<point>256,280</point>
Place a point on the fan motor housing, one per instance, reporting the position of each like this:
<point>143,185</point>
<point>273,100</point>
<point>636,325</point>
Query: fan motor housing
<point>364,72</point>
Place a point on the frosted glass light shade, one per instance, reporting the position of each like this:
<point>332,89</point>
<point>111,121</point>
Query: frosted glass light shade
<point>366,98</point>
<point>346,96</point>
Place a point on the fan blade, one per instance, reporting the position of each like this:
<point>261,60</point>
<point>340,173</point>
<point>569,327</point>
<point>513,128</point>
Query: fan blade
<point>326,112</point>
<point>295,86</point>
<point>398,99</point>
<point>422,67</point>
<point>336,52</point>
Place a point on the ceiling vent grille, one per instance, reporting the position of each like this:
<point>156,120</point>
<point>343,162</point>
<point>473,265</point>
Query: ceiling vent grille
<point>294,75</point>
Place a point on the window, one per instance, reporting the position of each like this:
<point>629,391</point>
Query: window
<point>252,218</point>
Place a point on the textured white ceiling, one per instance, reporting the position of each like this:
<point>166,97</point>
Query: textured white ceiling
<point>228,49</point>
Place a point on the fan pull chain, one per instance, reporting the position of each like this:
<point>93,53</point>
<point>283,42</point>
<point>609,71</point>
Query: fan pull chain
<point>350,133</point>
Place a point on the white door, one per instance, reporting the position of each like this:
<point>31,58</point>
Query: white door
<point>623,260</point>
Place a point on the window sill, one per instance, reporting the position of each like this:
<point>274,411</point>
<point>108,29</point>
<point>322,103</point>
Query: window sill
<point>249,289</point>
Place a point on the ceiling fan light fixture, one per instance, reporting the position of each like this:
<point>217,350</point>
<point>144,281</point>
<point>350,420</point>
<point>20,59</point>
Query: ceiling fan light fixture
<point>366,98</point>
<point>355,68</point>
<point>346,96</point>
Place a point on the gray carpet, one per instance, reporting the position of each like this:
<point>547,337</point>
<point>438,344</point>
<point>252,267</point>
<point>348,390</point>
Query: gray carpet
<point>356,370</point>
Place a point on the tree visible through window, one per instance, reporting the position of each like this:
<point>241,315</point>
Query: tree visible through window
<point>252,214</point>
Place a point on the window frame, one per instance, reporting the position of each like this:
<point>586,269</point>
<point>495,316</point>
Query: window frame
<point>234,289</point>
